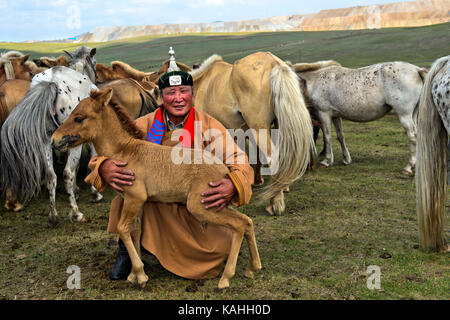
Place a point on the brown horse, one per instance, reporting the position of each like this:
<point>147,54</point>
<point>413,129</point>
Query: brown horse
<point>120,70</point>
<point>50,62</point>
<point>11,93</point>
<point>257,92</point>
<point>13,66</point>
<point>100,120</point>
<point>133,96</point>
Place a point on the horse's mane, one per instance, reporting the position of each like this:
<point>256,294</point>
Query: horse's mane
<point>126,122</point>
<point>129,69</point>
<point>205,65</point>
<point>11,55</point>
<point>306,67</point>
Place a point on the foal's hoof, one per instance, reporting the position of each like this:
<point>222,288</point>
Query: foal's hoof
<point>52,222</point>
<point>223,284</point>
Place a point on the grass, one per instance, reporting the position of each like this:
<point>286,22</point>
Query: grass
<point>338,222</point>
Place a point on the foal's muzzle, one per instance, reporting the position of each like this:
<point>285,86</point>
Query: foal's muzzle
<point>66,142</point>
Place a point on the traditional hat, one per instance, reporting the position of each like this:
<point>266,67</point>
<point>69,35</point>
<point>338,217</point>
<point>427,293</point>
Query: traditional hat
<point>174,76</point>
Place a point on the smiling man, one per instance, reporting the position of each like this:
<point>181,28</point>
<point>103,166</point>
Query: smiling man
<point>180,243</point>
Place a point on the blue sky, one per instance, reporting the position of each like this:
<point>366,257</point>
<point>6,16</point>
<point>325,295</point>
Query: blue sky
<point>57,19</point>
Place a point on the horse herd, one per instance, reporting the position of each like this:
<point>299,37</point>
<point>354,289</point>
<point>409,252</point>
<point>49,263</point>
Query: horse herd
<point>259,91</point>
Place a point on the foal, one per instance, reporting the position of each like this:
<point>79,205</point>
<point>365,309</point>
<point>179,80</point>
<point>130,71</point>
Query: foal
<point>158,178</point>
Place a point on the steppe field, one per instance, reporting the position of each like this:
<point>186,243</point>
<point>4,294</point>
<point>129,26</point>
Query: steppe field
<point>338,220</point>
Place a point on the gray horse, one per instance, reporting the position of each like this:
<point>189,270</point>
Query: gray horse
<point>26,157</point>
<point>361,95</point>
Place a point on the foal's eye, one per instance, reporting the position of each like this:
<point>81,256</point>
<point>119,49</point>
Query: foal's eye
<point>79,119</point>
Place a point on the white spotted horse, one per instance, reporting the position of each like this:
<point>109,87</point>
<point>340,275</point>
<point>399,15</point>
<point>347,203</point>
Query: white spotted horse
<point>26,157</point>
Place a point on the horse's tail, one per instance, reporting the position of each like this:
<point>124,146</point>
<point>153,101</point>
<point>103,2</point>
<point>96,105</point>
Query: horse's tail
<point>295,130</point>
<point>422,74</point>
<point>431,173</point>
<point>25,139</point>
<point>4,112</point>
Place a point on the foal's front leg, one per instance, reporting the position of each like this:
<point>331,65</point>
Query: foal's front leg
<point>131,209</point>
<point>70,176</point>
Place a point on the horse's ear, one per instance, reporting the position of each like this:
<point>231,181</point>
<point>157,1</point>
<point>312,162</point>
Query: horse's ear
<point>24,58</point>
<point>105,96</point>
<point>93,52</point>
<point>68,53</point>
<point>46,62</point>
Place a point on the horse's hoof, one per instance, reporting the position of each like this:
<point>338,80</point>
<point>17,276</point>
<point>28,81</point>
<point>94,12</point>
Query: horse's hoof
<point>52,223</point>
<point>19,208</point>
<point>287,190</point>
<point>132,278</point>
<point>258,182</point>
<point>100,200</point>
<point>249,274</point>
<point>407,173</point>
<point>223,284</point>
<point>325,164</point>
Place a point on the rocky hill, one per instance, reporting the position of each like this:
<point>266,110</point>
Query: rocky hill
<point>400,14</point>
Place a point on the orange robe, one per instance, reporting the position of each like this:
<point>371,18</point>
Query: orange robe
<point>180,243</point>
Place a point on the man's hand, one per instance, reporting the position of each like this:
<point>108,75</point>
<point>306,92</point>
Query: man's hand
<point>112,172</point>
<point>221,194</point>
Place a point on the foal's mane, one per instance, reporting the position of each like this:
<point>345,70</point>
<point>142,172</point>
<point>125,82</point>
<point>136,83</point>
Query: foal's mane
<point>126,122</point>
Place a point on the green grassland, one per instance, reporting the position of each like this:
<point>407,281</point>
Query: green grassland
<point>338,221</point>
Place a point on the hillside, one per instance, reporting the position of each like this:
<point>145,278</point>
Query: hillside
<point>400,14</point>
<point>420,46</point>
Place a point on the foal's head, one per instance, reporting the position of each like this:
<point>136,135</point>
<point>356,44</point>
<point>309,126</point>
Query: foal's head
<point>83,124</point>
<point>87,121</point>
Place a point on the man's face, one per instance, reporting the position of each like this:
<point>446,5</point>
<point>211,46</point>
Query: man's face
<point>177,100</point>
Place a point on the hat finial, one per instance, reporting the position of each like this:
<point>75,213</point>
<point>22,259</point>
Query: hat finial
<point>172,64</point>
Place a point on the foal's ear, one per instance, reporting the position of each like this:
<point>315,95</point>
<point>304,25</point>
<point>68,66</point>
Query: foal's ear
<point>105,97</point>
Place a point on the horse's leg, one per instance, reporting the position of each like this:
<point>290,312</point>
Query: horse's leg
<point>131,208</point>
<point>325,119</point>
<point>51,186</point>
<point>98,197</point>
<point>411,131</point>
<point>239,224</point>
<point>70,175</point>
<point>340,136</point>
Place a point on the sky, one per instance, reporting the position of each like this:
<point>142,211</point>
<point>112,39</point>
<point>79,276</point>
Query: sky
<point>22,20</point>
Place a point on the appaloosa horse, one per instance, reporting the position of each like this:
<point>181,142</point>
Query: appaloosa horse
<point>361,95</point>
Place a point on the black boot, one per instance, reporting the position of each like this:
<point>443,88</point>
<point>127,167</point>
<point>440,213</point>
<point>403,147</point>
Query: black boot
<point>122,268</point>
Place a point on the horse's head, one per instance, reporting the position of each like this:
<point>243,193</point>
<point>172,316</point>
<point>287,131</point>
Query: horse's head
<point>16,68</point>
<point>84,62</point>
<point>82,124</point>
<point>52,62</point>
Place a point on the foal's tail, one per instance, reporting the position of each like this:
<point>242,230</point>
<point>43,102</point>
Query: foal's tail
<point>431,171</point>
<point>25,141</point>
<point>295,130</point>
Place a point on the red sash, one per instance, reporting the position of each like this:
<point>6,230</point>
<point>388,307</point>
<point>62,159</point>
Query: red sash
<point>158,128</point>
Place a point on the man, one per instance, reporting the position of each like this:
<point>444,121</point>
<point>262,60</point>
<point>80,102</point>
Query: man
<point>180,243</point>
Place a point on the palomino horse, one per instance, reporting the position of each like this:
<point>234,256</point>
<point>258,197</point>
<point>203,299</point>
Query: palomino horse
<point>120,70</point>
<point>256,92</point>
<point>361,95</point>
<point>26,157</point>
<point>100,120</point>
<point>433,149</point>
